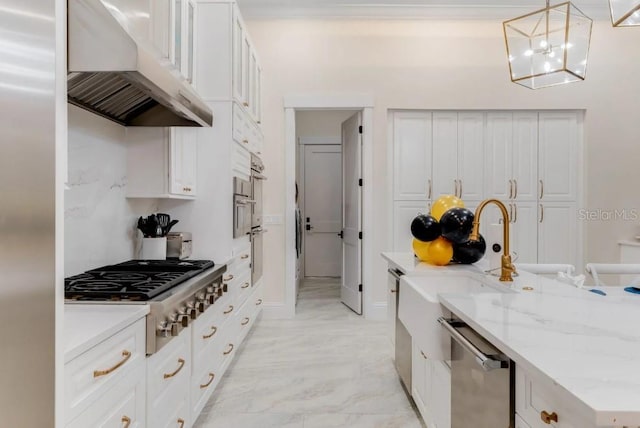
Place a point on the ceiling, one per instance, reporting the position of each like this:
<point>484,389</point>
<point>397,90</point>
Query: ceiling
<point>435,9</point>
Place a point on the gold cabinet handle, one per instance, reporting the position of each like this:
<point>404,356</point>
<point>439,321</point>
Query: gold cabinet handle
<point>246,104</point>
<point>246,285</point>
<point>227,352</point>
<point>430,188</point>
<point>515,212</point>
<point>126,421</point>
<point>228,311</point>
<point>455,187</point>
<point>258,302</point>
<point>423,356</point>
<point>213,331</point>
<point>541,189</point>
<point>547,418</point>
<point>180,423</point>
<point>515,188</point>
<point>510,189</point>
<point>212,376</point>
<point>541,213</point>
<point>180,366</point>
<point>244,256</point>
<point>229,278</point>
<point>460,188</point>
<point>245,321</point>
<point>393,291</point>
<point>125,354</point>
<point>245,141</point>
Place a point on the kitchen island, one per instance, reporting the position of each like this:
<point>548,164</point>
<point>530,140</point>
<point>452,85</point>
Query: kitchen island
<point>576,352</point>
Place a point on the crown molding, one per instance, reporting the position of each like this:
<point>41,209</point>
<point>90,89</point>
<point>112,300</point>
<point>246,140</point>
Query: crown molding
<point>255,10</point>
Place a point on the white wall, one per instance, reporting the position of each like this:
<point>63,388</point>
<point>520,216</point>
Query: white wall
<point>100,223</point>
<point>428,64</point>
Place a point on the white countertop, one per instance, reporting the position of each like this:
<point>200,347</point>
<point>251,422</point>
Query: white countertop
<point>86,325</point>
<point>587,344</point>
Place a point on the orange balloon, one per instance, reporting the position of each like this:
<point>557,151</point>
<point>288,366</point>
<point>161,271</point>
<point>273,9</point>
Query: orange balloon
<point>440,252</point>
<point>445,203</point>
<point>421,249</point>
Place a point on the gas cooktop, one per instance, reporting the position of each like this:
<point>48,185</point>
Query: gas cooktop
<point>134,280</point>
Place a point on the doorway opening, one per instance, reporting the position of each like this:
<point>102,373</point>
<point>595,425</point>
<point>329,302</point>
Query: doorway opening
<point>329,205</point>
<point>356,134</point>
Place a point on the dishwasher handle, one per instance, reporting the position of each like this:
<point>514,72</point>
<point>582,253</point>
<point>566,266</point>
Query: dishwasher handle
<point>487,362</point>
<point>395,273</point>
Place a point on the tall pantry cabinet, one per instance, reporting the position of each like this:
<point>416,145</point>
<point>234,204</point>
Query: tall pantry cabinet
<point>529,160</point>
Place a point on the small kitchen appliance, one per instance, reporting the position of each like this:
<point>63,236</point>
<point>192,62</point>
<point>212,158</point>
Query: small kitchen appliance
<point>179,245</point>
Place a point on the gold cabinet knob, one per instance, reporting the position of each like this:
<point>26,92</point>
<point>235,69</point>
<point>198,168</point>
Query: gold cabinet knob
<point>547,417</point>
<point>244,256</point>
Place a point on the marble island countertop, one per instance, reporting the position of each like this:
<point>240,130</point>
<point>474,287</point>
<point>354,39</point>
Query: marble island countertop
<point>585,343</point>
<point>86,325</point>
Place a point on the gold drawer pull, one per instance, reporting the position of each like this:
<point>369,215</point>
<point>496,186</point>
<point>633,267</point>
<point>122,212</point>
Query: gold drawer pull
<point>244,256</point>
<point>211,377</point>
<point>246,285</point>
<point>126,354</point>
<point>213,331</point>
<point>423,356</point>
<point>393,291</point>
<point>547,418</point>
<point>246,104</point>
<point>245,321</point>
<point>180,423</point>
<point>228,311</point>
<point>126,421</point>
<point>245,141</point>
<point>180,366</point>
<point>258,302</point>
<point>229,278</point>
<point>230,349</point>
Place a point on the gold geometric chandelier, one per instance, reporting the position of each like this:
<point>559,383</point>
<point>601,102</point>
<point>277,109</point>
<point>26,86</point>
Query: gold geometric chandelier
<point>625,13</point>
<point>548,47</point>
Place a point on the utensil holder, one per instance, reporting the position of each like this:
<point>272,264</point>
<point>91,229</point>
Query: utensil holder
<point>154,248</point>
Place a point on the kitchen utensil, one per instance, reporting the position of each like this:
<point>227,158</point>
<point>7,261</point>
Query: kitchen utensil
<point>163,222</point>
<point>152,226</point>
<point>170,225</point>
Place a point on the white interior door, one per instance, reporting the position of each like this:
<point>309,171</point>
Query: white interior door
<point>322,210</point>
<point>351,293</point>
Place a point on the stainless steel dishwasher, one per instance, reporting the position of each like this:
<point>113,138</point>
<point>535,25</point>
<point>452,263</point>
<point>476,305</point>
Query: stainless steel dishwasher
<point>482,380</point>
<point>403,338</point>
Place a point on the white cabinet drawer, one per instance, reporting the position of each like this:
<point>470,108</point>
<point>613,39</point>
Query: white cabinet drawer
<point>536,399</point>
<point>168,371</point>
<point>203,383</point>
<point>239,126</point>
<point>122,404</point>
<point>208,335</point>
<point>243,288</point>
<point>173,409</point>
<point>89,375</point>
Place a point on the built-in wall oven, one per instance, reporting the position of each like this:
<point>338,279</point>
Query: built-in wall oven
<point>242,207</point>
<point>257,229</point>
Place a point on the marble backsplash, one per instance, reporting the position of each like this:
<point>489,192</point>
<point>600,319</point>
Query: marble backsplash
<point>100,222</point>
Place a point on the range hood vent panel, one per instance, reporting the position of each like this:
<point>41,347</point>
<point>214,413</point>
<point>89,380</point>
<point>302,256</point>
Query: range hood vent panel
<point>117,74</point>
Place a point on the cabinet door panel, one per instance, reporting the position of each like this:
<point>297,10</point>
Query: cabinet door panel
<point>441,394</point>
<point>238,43</point>
<point>524,232</point>
<point>558,155</point>
<point>499,153</point>
<point>418,367</point>
<point>445,153</point>
<point>525,156</point>
<point>412,155</point>
<point>183,161</point>
<point>471,155</point>
<point>403,214</point>
<point>557,233</point>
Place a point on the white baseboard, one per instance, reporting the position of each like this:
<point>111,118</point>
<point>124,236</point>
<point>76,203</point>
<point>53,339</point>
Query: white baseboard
<point>276,311</point>
<point>377,312</point>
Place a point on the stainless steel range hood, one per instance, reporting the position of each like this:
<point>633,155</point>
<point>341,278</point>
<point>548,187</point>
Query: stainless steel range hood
<point>116,72</point>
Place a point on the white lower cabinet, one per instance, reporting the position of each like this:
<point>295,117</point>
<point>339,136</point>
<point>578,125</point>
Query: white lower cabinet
<point>168,374</point>
<point>520,423</point>
<point>431,389</point>
<point>105,386</point>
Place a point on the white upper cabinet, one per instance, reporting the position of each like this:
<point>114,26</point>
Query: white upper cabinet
<point>445,153</point>
<point>238,49</point>
<point>558,156</point>
<point>162,162</point>
<point>458,151</point>
<point>511,155</point>
<point>412,156</point>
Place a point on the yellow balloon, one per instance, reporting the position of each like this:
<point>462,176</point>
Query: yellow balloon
<point>445,203</point>
<point>421,249</point>
<point>440,252</point>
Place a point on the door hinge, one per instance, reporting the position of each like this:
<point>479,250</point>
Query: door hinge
<point>359,235</point>
<point>360,182</point>
<point>360,129</point>
<point>360,288</point>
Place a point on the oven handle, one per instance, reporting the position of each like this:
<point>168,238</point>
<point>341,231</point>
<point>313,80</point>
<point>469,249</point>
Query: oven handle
<point>258,176</point>
<point>487,362</point>
<point>245,201</point>
<point>259,231</point>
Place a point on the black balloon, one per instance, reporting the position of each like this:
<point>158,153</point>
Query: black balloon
<point>425,228</point>
<point>470,251</point>
<point>457,224</point>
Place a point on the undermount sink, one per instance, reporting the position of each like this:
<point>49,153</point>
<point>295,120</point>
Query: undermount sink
<point>419,308</point>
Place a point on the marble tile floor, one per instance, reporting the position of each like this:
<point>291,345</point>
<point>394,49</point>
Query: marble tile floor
<point>326,368</point>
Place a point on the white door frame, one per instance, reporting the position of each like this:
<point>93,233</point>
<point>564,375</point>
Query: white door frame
<point>358,102</point>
